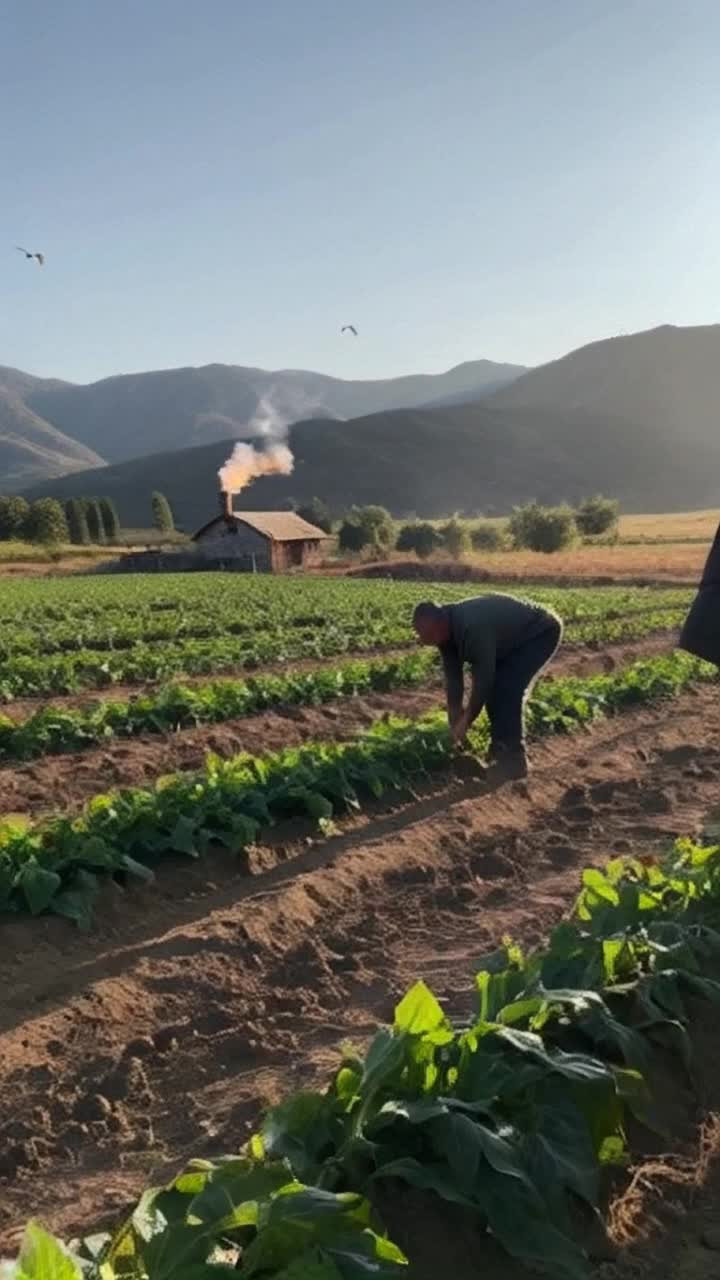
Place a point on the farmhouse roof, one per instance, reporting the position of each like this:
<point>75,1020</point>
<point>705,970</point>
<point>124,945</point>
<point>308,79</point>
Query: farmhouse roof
<point>279,526</point>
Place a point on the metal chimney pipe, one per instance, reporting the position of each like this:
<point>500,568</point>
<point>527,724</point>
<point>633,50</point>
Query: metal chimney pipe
<point>226,506</point>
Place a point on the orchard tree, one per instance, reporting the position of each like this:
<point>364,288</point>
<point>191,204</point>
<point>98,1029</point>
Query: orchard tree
<point>13,515</point>
<point>95,525</point>
<point>318,513</point>
<point>46,521</point>
<point>352,536</point>
<point>77,522</point>
<point>162,513</point>
<point>110,519</point>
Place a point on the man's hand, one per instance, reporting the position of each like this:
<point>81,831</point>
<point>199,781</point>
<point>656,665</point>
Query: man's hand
<point>459,728</point>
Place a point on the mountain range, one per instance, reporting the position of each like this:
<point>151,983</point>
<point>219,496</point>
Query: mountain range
<point>634,416</point>
<point>49,428</point>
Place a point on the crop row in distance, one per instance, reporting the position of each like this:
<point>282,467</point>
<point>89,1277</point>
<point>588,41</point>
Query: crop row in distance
<point>52,729</point>
<point>40,602</point>
<point>53,865</point>
<point>39,676</point>
<point>107,636</point>
<point>518,1115</point>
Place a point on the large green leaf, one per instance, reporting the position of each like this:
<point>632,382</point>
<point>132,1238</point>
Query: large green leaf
<point>525,1230</point>
<point>466,1143</point>
<point>302,1130</point>
<point>42,1257</point>
<point>383,1063</point>
<point>419,1012</point>
<point>428,1175</point>
<point>559,1151</point>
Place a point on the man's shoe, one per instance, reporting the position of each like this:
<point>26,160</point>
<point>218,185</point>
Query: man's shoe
<point>507,766</point>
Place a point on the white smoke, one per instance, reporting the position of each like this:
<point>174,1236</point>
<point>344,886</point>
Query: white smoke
<point>268,421</point>
<point>246,462</point>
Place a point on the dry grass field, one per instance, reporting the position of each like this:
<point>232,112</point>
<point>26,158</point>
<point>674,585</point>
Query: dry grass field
<point>672,562</point>
<point>677,526</point>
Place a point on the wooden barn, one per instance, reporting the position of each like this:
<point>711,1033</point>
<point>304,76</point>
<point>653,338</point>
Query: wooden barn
<point>260,541</point>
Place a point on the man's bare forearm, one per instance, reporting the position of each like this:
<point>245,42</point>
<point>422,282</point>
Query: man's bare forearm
<point>478,696</point>
<point>454,684</point>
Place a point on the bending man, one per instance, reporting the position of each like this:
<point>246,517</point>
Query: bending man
<point>506,642</point>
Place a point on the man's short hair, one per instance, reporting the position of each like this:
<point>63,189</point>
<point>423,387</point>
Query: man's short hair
<point>427,611</point>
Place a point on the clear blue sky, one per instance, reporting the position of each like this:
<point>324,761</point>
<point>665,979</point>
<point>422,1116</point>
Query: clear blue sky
<point>234,180</point>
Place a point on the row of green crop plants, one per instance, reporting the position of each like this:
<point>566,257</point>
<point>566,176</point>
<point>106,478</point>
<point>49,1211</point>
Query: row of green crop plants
<point>53,729</point>
<point>261,602</point>
<point>519,1116</point>
<point>55,864</point>
<point>371,624</point>
<point>296,635</point>
<point>30,676</point>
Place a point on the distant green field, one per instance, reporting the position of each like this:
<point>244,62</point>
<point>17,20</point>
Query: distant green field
<point>67,634</point>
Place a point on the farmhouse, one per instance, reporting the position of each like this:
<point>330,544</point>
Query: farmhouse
<point>261,541</point>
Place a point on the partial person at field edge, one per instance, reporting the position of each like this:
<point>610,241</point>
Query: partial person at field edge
<point>701,631</point>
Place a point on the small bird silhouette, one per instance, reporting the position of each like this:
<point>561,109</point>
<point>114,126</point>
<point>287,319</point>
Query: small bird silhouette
<point>40,256</point>
<point>351,327</point>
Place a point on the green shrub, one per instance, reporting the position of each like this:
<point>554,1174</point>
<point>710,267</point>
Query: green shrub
<point>544,529</point>
<point>455,538</point>
<point>597,515</point>
<point>365,528</point>
<point>486,537</point>
<point>318,513</point>
<point>419,536</point>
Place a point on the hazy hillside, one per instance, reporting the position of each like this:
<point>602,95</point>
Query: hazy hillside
<point>635,415</point>
<point>127,416</point>
<point>432,461</point>
<point>30,447</point>
<point>666,378</point>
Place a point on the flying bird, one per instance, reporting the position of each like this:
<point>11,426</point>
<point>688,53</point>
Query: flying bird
<point>40,256</point>
<point>351,327</point>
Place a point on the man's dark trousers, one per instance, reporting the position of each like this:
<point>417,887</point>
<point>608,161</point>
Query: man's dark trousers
<point>514,677</point>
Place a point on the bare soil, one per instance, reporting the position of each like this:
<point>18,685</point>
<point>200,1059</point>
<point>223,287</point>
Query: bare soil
<point>56,784</point>
<point>201,998</point>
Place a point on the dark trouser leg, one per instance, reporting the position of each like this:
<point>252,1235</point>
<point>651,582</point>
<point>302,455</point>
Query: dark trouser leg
<point>514,677</point>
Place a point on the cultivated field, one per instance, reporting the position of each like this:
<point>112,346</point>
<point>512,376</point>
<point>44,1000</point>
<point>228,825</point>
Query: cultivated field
<point>235,837</point>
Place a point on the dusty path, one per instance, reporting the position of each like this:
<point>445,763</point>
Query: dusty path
<point>55,784</point>
<point>164,1033</point>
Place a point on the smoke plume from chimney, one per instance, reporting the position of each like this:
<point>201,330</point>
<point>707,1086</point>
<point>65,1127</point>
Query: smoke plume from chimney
<point>246,463</point>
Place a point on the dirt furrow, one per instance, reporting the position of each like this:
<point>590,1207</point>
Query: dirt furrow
<point>58,784</point>
<point>166,1031</point>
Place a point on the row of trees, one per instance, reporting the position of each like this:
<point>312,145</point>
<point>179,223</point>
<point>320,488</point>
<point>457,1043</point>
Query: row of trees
<point>534,527</point>
<point>82,521</point>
